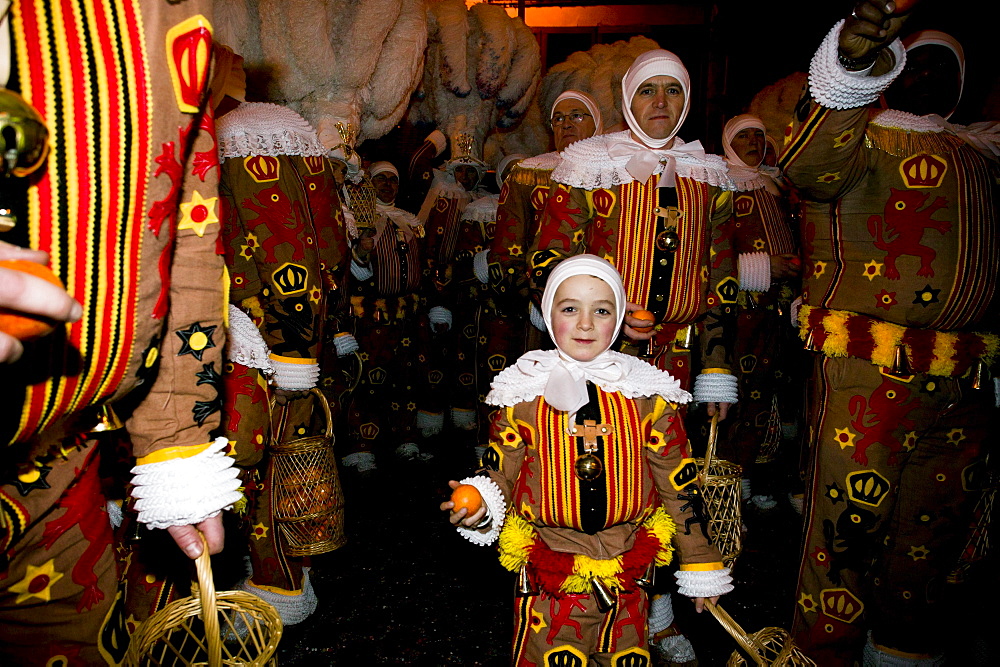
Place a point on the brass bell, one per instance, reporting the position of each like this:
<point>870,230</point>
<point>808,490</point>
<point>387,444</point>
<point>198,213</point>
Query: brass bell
<point>687,341</point>
<point>810,342</point>
<point>524,586</point>
<point>900,365</point>
<point>107,420</point>
<point>668,241</point>
<point>978,374</point>
<point>648,578</point>
<point>603,596</point>
<point>589,467</point>
<point>24,129</point>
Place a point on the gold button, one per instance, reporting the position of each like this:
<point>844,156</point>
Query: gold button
<point>663,262</point>
<point>659,297</point>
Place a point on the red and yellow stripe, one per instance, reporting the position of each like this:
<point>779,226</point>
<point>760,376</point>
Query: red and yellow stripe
<point>88,76</point>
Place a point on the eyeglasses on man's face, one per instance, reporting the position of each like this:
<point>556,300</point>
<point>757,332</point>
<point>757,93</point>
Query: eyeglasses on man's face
<point>575,118</point>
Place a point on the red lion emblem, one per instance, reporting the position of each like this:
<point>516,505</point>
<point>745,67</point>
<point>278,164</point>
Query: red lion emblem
<point>901,231</point>
<point>877,419</point>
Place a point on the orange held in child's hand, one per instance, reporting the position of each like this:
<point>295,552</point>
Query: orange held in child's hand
<point>26,327</point>
<point>646,316</point>
<point>467,496</point>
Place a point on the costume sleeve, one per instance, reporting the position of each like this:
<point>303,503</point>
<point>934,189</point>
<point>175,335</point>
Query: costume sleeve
<point>505,454</point>
<point>674,475</point>
<point>419,175</point>
<point>717,328</point>
<point>183,404</point>
<point>512,240</point>
<point>567,214</point>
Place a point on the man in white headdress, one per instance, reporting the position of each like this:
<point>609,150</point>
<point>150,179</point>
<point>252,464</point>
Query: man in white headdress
<point>900,248</point>
<point>655,207</point>
<point>766,258</point>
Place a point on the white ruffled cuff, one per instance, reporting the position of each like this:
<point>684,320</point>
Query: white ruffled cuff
<point>361,272</point>
<point>704,583</point>
<point>834,87</point>
<point>996,391</point>
<point>186,491</point>
<point>715,388</point>
<point>755,271</point>
<point>439,315</point>
<point>535,316</point>
<point>295,376</point>
<point>429,423</point>
<point>496,511</point>
<point>793,311</point>
<point>291,608</point>
<point>361,460</point>
<point>115,514</point>
<point>439,141</point>
<point>661,613</point>
<point>245,345</point>
<point>481,266</point>
<point>345,344</point>
<point>463,418</point>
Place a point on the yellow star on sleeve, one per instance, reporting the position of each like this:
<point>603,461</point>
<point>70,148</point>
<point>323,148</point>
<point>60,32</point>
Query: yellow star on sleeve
<point>37,583</point>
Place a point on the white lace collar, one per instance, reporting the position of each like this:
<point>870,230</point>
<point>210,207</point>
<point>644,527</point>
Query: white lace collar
<point>262,129</point>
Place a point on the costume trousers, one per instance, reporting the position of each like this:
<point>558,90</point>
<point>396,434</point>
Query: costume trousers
<point>570,631</point>
<point>58,601</point>
<point>896,471</point>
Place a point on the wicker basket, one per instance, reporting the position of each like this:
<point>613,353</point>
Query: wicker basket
<point>772,438</point>
<point>306,496</point>
<point>189,631</point>
<point>768,647</point>
<point>720,486</point>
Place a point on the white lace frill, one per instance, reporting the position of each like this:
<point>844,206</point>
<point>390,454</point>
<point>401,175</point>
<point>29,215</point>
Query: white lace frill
<point>902,120</point>
<point>746,179</point>
<point>543,162</point>
<point>834,87</point>
<point>588,164</point>
<point>754,269</point>
<point>259,128</point>
<point>496,511</point>
<point>704,583</point>
<point>186,491</point>
<point>483,209</point>
<point>715,388</point>
<point>245,345</point>
<point>640,379</point>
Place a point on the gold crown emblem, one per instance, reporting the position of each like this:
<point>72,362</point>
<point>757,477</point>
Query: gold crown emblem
<point>867,487</point>
<point>841,604</point>
<point>368,431</point>
<point>462,145</point>
<point>923,171</point>
<point>262,168</point>
<point>315,164</point>
<point>496,362</point>
<point>290,278</point>
<point>377,375</point>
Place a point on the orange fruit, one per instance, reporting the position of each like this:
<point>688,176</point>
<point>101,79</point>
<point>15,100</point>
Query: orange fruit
<point>467,496</point>
<point>646,316</point>
<point>26,327</point>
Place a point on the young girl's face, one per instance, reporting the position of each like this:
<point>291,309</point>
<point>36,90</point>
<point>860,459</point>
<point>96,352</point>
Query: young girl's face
<point>584,321</point>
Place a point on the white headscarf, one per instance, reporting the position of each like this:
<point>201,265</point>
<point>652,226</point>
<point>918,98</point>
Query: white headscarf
<point>936,37</point>
<point>504,163</point>
<point>381,167</point>
<point>646,155</point>
<point>588,102</point>
<point>740,170</point>
<point>654,63</point>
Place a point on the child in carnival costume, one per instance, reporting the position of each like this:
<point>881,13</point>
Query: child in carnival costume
<point>588,482</point>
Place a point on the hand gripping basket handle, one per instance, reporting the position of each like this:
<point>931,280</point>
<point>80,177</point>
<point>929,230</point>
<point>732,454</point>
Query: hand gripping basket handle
<point>747,642</point>
<point>713,436</point>
<point>283,416</point>
<point>209,610</point>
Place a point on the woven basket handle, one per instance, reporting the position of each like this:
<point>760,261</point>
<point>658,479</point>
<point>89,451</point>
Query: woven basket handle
<point>713,436</point>
<point>283,416</point>
<point>209,610</point>
<point>747,642</point>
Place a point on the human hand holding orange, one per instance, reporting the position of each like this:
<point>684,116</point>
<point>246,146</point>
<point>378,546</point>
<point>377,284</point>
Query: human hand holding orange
<point>465,505</point>
<point>639,323</point>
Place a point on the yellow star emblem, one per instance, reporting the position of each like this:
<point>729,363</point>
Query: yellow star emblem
<point>819,268</point>
<point>873,269</point>
<point>315,295</point>
<point>704,274</point>
<point>955,436</point>
<point>758,244</point>
<point>37,583</point>
<point>755,395</point>
<point>515,250</point>
<point>910,441</point>
<point>844,137</point>
<point>259,531</point>
<point>919,553</point>
<point>537,621</point>
<point>829,177</point>
<point>807,602</point>
<point>246,252</point>
<point>844,437</point>
<point>405,342</point>
<point>198,213</point>
<point>411,406</point>
<point>577,236</point>
<point>363,356</point>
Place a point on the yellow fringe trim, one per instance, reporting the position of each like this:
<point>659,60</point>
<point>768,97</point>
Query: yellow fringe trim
<point>518,535</point>
<point>887,338</point>
<point>533,177</point>
<point>904,143</point>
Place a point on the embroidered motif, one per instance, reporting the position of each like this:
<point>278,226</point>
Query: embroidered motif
<point>195,340</point>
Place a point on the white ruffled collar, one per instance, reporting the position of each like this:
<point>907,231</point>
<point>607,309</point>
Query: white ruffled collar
<point>751,178</point>
<point>543,162</point>
<point>527,378</point>
<point>588,164</point>
<point>902,120</point>
<point>263,129</point>
<point>483,209</point>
